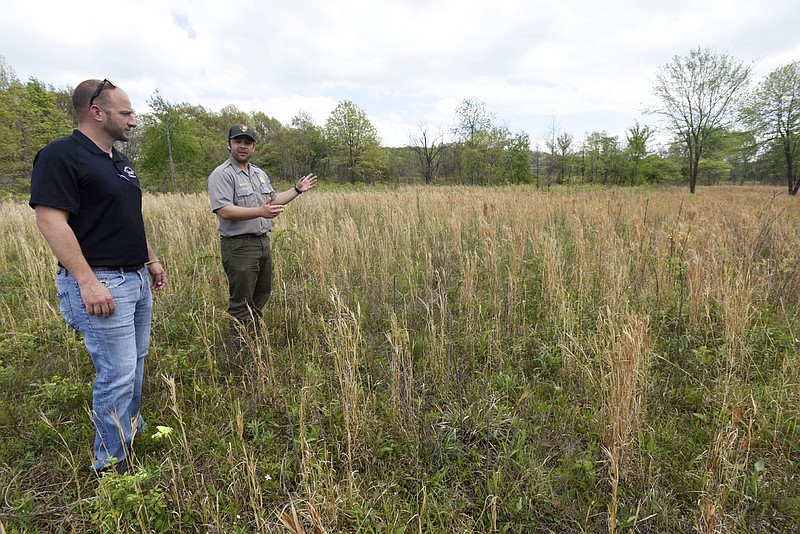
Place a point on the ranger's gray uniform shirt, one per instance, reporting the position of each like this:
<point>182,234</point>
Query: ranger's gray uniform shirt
<point>230,185</point>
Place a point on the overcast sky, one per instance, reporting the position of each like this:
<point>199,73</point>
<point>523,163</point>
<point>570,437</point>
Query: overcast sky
<point>587,65</point>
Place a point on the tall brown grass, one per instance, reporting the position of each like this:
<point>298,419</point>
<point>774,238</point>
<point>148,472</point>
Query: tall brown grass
<point>423,297</point>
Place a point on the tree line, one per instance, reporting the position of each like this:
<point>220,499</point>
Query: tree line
<point>721,131</point>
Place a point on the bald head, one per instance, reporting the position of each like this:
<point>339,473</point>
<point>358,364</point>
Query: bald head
<point>104,112</point>
<point>90,92</point>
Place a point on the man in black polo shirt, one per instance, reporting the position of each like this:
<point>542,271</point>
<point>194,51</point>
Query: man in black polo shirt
<point>88,204</point>
<point>244,201</point>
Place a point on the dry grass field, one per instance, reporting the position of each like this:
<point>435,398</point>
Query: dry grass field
<point>445,359</point>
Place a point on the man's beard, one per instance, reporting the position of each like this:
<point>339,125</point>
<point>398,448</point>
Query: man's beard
<point>241,159</point>
<point>115,132</point>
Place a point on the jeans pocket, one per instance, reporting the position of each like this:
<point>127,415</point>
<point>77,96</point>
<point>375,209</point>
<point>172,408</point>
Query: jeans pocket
<point>66,297</point>
<point>111,279</point>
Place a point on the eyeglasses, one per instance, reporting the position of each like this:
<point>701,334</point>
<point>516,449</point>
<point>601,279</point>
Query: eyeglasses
<point>99,90</point>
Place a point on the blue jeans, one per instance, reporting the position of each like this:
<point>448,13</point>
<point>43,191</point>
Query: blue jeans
<point>117,345</point>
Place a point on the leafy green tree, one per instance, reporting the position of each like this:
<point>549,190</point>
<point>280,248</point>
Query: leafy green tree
<point>614,160</point>
<point>592,151</point>
<point>7,74</point>
<point>270,137</point>
<point>221,122</point>
<point>212,128</point>
<point>605,157</point>
<point>472,118</point>
<point>170,153</point>
<point>656,169</point>
<point>485,157</point>
<point>402,165</point>
<point>731,150</point>
<point>519,149</point>
<point>478,141</point>
<point>637,138</point>
<point>563,151</point>
<point>773,112</point>
<point>498,156</point>
<point>714,170</point>
<point>30,117</point>
<point>537,162</point>
<point>353,142</point>
<point>699,93</point>
<point>303,149</point>
<point>11,170</point>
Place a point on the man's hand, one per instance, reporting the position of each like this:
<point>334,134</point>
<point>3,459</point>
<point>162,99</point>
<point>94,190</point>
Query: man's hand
<point>97,298</point>
<point>158,276</point>
<point>53,224</point>
<point>306,182</point>
<point>270,210</point>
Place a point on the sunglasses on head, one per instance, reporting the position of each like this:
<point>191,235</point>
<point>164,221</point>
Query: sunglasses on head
<point>100,90</point>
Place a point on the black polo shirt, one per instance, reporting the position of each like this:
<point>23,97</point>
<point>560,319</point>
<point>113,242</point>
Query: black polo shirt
<point>101,193</point>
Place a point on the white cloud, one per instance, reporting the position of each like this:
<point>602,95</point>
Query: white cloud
<point>587,64</point>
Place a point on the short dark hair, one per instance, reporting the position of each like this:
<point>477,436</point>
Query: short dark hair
<point>83,93</point>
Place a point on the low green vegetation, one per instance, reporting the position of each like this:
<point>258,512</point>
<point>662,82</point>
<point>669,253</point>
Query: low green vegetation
<point>447,359</point>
